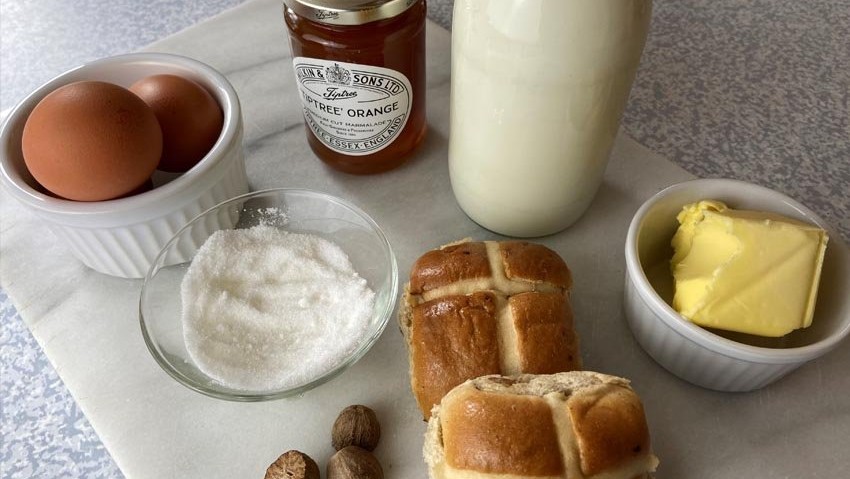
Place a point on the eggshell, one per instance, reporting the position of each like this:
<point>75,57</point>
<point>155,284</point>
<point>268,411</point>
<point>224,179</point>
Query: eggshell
<point>190,118</point>
<point>91,141</point>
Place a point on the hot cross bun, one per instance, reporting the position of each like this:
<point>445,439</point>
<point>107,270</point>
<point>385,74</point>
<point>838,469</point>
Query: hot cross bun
<point>573,425</point>
<point>477,308</point>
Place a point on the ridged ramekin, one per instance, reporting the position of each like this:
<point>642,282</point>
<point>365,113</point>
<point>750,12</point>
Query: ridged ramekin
<point>700,356</point>
<point>122,237</point>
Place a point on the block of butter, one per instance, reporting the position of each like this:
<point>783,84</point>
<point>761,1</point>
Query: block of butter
<point>746,271</point>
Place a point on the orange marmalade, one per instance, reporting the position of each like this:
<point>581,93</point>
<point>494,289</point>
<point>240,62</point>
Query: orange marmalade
<point>360,72</point>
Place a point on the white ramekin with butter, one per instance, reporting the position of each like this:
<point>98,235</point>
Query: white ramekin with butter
<point>712,358</point>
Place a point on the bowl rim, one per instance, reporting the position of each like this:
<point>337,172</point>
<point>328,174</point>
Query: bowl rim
<point>255,396</point>
<point>697,334</point>
<point>231,130</point>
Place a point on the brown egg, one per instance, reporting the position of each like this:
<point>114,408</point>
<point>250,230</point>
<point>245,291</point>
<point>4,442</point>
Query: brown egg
<point>144,187</point>
<point>91,141</point>
<point>190,118</point>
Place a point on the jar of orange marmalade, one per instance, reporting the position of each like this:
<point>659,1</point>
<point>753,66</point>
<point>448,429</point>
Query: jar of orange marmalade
<point>360,72</point>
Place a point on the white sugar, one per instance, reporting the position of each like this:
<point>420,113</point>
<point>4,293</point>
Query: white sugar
<point>264,309</point>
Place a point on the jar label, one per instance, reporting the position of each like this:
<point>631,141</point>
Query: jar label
<point>353,109</point>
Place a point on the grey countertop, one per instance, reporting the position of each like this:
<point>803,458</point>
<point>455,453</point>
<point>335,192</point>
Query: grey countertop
<point>757,90</point>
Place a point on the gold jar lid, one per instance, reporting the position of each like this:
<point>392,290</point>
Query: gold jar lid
<point>348,12</point>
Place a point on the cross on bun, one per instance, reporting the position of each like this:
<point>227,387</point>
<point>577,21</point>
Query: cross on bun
<point>477,308</point>
<point>574,425</point>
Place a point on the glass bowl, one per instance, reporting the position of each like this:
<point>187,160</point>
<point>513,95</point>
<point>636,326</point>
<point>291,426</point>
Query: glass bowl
<point>303,211</point>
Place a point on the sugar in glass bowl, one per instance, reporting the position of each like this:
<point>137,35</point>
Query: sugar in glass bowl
<point>712,359</point>
<point>293,211</point>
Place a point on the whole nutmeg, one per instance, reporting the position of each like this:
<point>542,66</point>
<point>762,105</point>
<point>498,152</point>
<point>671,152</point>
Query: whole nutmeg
<point>356,425</point>
<point>293,465</point>
<point>354,462</point>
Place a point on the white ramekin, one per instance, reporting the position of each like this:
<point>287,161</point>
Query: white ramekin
<point>696,354</point>
<point>122,237</point>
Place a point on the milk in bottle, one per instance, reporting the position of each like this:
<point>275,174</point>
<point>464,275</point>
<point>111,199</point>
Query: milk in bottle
<point>538,89</point>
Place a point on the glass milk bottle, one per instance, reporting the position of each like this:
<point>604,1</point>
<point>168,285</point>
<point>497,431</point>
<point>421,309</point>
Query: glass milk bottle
<point>538,89</point>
